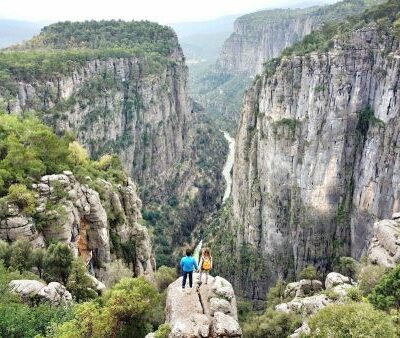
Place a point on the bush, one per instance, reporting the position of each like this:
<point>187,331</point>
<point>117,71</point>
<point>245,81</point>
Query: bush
<point>164,276</point>
<point>115,271</point>
<point>369,276</point>
<point>79,283</point>
<point>22,197</point>
<point>354,294</point>
<point>271,324</point>
<point>163,331</point>
<point>57,263</point>
<point>347,266</point>
<point>275,294</point>
<point>77,153</point>
<point>124,311</point>
<point>386,293</point>
<point>309,272</point>
<point>351,320</point>
<point>21,255</point>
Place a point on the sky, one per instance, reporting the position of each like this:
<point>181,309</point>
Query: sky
<point>162,11</point>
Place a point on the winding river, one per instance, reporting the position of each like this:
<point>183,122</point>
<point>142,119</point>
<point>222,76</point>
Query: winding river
<point>226,172</point>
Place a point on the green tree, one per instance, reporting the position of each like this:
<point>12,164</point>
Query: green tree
<point>58,262</point>
<point>79,283</point>
<point>275,294</point>
<point>5,253</point>
<point>38,255</point>
<point>310,272</point>
<point>21,255</point>
<point>351,320</point>
<point>77,153</point>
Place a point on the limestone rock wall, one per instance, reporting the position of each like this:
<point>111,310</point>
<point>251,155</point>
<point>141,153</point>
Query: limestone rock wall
<point>311,176</point>
<point>261,36</point>
<point>74,213</point>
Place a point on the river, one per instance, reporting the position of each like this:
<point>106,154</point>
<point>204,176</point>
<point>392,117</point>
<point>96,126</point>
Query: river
<point>226,172</point>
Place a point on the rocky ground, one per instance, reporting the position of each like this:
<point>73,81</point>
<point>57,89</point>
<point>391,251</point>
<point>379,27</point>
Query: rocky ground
<point>206,311</point>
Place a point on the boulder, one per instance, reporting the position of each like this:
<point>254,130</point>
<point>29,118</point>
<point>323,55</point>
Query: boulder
<point>206,311</point>
<point>303,331</point>
<point>384,248</point>
<point>335,278</point>
<point>54,292</point>
<point>304,287</point>
<point>26,288</point>
<point>225,326</point>
<point>220,305</point>
<point>304,306</point>
<point>100,287</point>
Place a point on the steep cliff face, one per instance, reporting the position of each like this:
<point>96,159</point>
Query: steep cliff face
<point>261,36</point>
<point>317,157</point>
<point>257,38</point>
<point>125,103</point>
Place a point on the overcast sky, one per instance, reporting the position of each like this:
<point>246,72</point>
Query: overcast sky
<point>163,11</point>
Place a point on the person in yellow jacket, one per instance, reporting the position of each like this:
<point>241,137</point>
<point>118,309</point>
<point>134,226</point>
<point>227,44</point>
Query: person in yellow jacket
<point>205,264</point>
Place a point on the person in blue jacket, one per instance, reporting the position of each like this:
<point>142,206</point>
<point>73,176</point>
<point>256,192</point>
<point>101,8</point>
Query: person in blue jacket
<point>188,265</point>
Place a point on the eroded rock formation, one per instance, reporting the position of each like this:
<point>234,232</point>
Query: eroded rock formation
<point>385,245</point>
<point>209,311</point>
<point>74,213</point>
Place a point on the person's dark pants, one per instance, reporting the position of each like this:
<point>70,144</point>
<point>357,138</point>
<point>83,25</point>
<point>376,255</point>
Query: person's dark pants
<point>185,274</point>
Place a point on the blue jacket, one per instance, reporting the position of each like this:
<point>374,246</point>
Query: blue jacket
<point>188,264</point>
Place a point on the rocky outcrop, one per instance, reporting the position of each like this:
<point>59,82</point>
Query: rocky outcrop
<point>74,213</point>
<point>334,279</point>
<point>302,288</point>
<point>31,290</point>
<point>384,248</point>
<point>208,311</point>
<point>309,305</point>
<point>317,158</point>
<point>261,36</point>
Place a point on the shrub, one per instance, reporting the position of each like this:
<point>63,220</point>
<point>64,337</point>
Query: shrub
<point>347,266</point>
<point>309,272</point>
<point>115,271</point>
<point>386,293</point>
<point>163,331</point>
<point>369,276</point>
<point>271,324</point>
<point>275,294</point>
<point>21,255</point>
<point>164,276</point>
<point>22,197</point>
<point>79,283</point>
<point>77,153</point>
<point>57,263</point>
<point>351,320</point>
<point>124,311</point>
<point>354,294</point>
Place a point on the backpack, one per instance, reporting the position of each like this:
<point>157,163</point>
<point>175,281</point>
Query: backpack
<point>206,264</point>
